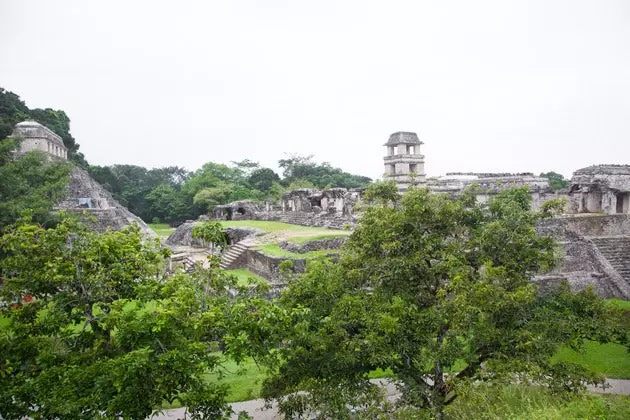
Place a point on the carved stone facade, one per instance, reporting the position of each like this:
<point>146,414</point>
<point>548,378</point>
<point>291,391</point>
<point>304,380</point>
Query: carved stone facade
<point>38,137</point>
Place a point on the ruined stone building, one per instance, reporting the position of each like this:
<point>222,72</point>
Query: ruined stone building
<point>490,184</point>
<point>83,192</point>
<point>39,137</point>
<point>600,189</point>
<point>403,161</point>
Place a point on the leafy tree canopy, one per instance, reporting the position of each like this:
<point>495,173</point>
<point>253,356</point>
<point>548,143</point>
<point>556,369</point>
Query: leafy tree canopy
<point>556,180</point>
<point>96,329</point>
<point>438,291</point>
<point>29,183</point>
<point>321,175</point>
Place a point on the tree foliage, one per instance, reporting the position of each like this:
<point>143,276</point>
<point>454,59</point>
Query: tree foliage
<point>556,180</point>
<point>29,183</point>
<point>96,329</point>
<point>436,290</point>
<point>212,233</point>
<point>13,110</point>
<point>322,175</point>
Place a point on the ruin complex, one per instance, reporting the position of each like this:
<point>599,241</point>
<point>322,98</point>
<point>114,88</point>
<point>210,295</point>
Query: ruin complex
<point>36,136</point>
<point>593,234</point>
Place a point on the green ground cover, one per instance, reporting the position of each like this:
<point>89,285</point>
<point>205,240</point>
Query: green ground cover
<point>162,229</point>
<point>624,305</point>
<point>274,250</point>
<point>270,226</point>
<point>244,274</point>
<point>612,360</point>
<point>244,380</point>
<point>303,239</point>
<point>520,402</point>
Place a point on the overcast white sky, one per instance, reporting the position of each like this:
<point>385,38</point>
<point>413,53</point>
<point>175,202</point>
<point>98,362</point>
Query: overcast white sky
<point>487,85</point>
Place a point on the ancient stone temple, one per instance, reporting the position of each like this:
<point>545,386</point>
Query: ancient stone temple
<point>38,137</point>
<point>600,189</point>
<point>403,162</point>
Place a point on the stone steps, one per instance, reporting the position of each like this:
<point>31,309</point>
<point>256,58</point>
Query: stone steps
<point>234,253</point>
<point>616,249</point>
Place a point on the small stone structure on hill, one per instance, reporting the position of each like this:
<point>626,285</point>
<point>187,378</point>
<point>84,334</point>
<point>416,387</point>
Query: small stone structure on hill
<point>36,136</point>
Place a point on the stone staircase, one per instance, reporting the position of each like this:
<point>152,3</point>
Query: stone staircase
<point>234,256</point>
<point>616,249</point>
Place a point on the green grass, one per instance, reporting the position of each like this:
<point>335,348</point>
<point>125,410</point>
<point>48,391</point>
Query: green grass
<point>244,380</point>
<point>619,304</point>
<point>612,360</point>
<point>244,275</point>
<point>162,229</point>
<point>274,250</point>
<point>530,402</point>
<point>270,226</point>
<point>303,239</point>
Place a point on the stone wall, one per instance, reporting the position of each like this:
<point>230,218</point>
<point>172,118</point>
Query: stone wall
<point>581,262</point>
<point>317,245</point>
<point>267,266</point>
<point>589,225</point>
<point>182,236</point>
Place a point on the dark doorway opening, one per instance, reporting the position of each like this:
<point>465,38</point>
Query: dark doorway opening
<point>623,200</point>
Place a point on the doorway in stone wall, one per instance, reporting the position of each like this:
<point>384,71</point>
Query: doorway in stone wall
<point>623,202</point>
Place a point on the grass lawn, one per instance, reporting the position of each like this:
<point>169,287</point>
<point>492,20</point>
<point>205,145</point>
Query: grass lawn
<point>162,229</point>
<point>530,402</point>
<point>275,251</point>
<point>270,226</point>
<point>244,380</point>
<point>612,360</point>
<point>302,239</point>
<point>244,274</point>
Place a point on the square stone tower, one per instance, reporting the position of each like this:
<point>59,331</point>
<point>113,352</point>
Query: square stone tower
<point>403,162</point>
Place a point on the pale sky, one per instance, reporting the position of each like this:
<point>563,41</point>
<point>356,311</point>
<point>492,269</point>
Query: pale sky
<point>502,86</point>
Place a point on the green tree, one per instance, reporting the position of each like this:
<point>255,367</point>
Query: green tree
<point>556,180</point>
<point>12,111</point>
<point>323,175</point>
<point>97,331</point>
<point>208,198</point>
<point>436,290</point>
<point>29,183</point>
<point>263,179</point>
<point>212,233</point>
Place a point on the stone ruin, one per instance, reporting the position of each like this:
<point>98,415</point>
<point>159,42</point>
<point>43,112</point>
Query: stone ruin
<point>490,184</point>
<point>404,163</point>
<point>37,137</point>
<point>86,195</point>
<point>600,189</point>
<point>331,208</point>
